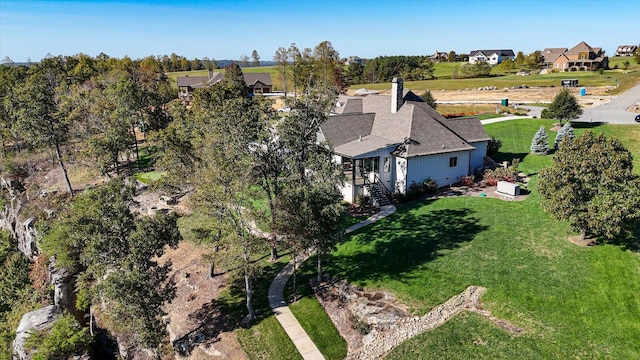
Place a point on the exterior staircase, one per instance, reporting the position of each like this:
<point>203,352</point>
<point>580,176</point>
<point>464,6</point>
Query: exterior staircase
<point>380,196</point>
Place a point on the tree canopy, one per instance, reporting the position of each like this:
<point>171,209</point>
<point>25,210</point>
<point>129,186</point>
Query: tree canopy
<point>591,185</point>
<point>564,107</point>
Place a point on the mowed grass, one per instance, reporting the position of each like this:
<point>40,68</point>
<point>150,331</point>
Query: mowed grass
<point>571,302</point>
<point>621,78</point>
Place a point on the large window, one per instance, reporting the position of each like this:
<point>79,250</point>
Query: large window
<point>453,161</point>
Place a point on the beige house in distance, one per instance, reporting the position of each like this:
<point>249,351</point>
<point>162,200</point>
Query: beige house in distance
<point>580,57</point>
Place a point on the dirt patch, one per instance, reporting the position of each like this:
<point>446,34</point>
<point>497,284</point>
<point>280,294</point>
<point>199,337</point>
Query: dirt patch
<point>197,328</point>
<point>575,239</point>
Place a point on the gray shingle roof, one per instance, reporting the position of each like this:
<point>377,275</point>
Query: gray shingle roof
<point>201,81</point>
<point>416,128</point>
<point>489,52</point>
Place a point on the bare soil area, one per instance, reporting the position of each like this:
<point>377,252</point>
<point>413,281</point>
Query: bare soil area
<point>197,328</point>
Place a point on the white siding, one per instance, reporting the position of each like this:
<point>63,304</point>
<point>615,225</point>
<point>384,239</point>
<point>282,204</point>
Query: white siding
<point>347,192</point>
<point>437,167</point>
<point>401,175</point>
<point>386,178</point>
<point>477,156</point>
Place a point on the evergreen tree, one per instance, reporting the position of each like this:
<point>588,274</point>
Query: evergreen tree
<point>565,132</point>
<point>539,143</point>
<point>429,99</point>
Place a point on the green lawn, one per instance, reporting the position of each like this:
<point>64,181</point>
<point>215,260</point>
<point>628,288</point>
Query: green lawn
<point>624,79</point>
<point>573,302</point>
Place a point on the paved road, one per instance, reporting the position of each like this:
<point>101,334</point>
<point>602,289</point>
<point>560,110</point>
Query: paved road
<point>615,111</point>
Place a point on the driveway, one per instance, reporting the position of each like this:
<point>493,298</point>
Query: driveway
<point>615,111</point>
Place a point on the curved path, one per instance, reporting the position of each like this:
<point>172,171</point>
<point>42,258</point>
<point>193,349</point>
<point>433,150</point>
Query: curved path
<point>291,326</point>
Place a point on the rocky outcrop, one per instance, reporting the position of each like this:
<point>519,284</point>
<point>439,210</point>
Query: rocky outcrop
<point>33,321</point>
<point>23,232</point>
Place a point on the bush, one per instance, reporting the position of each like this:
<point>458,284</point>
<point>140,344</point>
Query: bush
<point>363,200</point>
<point>415,191</point>
<point>468,180</point>
<point>399,197</point>
<point>493,146</point>
<point>430,186</point>
<point>510,174</point>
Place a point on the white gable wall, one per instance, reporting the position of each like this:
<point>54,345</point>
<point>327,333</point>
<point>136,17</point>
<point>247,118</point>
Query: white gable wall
<point>437,167</point>
<point>477,156</point>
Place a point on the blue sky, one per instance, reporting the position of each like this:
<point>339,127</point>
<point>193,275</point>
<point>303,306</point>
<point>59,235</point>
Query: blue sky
<point>228,29</point>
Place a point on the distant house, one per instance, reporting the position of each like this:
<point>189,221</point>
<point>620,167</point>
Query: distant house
<point>626,50</point>
<point>257,83</point>
<point>550,55</point>
<point>581,57</point>
<point>353,59</point>
<point>492,57</point>
<point>386,143</point>
<point>439,56</point>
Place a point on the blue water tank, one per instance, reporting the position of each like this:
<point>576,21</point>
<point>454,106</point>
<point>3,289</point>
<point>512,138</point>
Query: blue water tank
<point>583,91</point>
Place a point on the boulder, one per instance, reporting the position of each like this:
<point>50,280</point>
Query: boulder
<point>33,321</point>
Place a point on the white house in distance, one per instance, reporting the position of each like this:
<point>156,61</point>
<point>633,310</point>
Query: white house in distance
<point>386,143</point>
<point>491,57</point>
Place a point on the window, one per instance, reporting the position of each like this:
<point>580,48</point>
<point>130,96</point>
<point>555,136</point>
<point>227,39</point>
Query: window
<point>387,164</point>
<point>453,161</point>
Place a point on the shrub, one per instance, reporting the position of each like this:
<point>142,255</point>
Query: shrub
<point>399,197</point>
<point>363,200</point>
<point>493,146</point>
<point>468,180</point>
<point>415,191</point>
<point>429,186</point>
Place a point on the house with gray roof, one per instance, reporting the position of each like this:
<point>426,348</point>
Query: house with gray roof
<point>492,57</point>
<point>386,143</point>
<point>256,83</point>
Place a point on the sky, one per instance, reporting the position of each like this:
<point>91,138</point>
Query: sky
<point>220,29</point>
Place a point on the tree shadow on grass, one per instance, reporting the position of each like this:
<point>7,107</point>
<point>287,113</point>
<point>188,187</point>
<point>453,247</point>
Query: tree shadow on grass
<point>405,242</point>
<point>233,303</point>
<point>586,125</point>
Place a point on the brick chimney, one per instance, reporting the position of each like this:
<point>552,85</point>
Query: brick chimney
<point>396,95</point>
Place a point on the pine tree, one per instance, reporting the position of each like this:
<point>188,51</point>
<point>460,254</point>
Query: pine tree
<point>565,132</point>
<point>539,143</point>
<point>429,99</point>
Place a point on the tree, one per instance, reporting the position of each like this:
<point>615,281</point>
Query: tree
<point>244,60</point>
<point>281,57</point>
<point>451,56</point>
<point>519,60</point>
<point>429,99</point>
<point>565,132</point>
<point>35,106</point>
<point>534,60</point>
<point>478,69</point>
<point>564,107</point>
<point>493,146</point>
<point>115,259</point>
<point>540,143</point>
<point>591,185</point>
<point>255,58</point>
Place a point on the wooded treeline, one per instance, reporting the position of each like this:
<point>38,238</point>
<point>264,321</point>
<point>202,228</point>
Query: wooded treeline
<point>230,151</point>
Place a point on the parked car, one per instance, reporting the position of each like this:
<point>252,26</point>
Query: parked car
<point>637,118</point>
<point>284,109</point>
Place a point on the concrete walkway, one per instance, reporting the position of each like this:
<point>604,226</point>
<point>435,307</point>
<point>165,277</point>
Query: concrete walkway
<point>285,317</point>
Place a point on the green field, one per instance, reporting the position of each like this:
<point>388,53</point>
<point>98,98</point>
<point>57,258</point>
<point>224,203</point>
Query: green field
<point>622,79</point>
<point>572,302</point>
